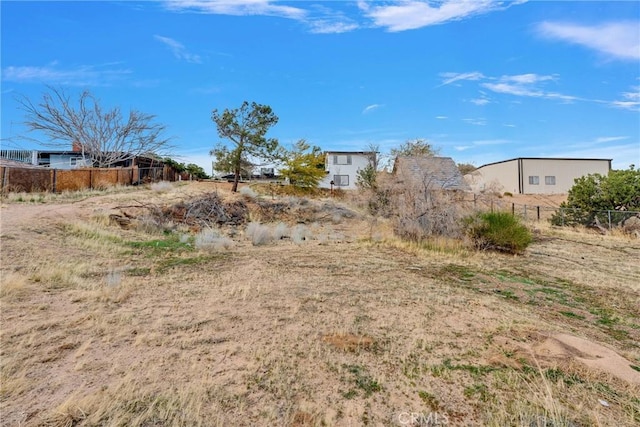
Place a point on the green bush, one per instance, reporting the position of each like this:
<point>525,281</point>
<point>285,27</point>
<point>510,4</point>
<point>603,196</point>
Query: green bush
<point>499,231</point>
<point>593,195</point>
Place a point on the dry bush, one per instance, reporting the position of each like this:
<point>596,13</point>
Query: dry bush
<point>212,240</point>
<point>258,234</point>
<point>161,186</point>
<point>300,233</point>
<point>248,193</point>
<point>281,231</point>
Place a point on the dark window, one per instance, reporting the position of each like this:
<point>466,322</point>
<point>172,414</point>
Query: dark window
<point>549,180</point>
<point>534,180</point>
<point>341,180</point>
<point>342,159</point>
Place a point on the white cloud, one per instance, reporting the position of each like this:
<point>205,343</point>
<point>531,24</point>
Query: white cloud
<point>179,50</point>
<point>629,101</point>
<point>236,7</point>
<point>480,101</point>
<point>619,40</point>
<point>602,139</point>
<point>84,75</point>
<point>509,125</point>
<point>413,14</point>
<point>441,117</point>
<point>454,77</point>
<point>370,108</point>
<point>527,85</point>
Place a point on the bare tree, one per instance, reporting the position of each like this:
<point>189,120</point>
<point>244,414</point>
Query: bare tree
<point>105,137</point>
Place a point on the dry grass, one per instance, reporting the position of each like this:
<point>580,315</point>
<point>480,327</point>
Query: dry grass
<point>112,326</point>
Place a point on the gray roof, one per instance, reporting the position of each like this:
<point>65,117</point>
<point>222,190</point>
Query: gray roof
<point>440,173</point>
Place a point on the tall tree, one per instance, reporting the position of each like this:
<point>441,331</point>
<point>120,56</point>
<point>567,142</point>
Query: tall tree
<point>246,127</point>
<point>105,136</point>
<point>303,165</point>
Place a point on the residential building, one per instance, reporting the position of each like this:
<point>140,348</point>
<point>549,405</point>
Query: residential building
<point>342,168</point>
<point>534,175</point>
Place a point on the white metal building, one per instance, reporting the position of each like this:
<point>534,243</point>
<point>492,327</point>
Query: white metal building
<point>534,175</point>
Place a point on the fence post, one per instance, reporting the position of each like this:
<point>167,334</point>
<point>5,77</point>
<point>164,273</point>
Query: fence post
<point>525,212</point>
<point>513,209</point>
<point>538,209</point>
<point>609,217</point>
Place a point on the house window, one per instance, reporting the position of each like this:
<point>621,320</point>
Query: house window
<point>342,159</point>
<point>75,161</point>
<point>534,180</point>
<point>341,180</point>
<point>549,180</point>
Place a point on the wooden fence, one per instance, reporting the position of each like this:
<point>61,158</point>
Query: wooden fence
<point>31,180</point>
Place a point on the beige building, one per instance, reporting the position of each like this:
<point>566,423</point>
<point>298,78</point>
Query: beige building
<point>534,175</point>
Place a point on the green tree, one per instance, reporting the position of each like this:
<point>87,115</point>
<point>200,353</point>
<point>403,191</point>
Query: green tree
<point>178,167</point>
<point>415,147</point>
<point>246,127</point>
<point>303,165</point>
<point>593,194</point>
<point>196,171</point>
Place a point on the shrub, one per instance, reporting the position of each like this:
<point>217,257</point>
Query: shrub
<point>499,231</point>
<point>211,240</point>
<point>593,195</point>
<point>258,234</point>
<point>248,192</point>
<point>161,186</point>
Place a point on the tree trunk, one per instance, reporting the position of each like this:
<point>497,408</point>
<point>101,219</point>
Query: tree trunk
<point>236,179</point>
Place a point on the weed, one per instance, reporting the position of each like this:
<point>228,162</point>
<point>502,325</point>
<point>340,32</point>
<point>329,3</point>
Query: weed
<point>572,315</point>
<point>429,399</point>
<point>363,380</point>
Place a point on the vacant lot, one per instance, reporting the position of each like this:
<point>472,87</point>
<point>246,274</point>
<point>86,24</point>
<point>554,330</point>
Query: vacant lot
<point>114,314</point>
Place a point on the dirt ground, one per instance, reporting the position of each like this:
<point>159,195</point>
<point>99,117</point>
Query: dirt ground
<point>348,326</point>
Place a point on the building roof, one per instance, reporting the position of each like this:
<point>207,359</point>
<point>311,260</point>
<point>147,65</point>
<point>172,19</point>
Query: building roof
<point>544,158</point>
<point>440,173</point>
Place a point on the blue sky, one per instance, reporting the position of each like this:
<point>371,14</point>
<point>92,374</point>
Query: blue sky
<point>482,80</point>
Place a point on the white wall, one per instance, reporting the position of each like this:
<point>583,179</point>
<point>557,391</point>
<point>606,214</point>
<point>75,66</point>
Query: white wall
<point>499,177</point>
<point>564,171</point>
<point>358,161</point>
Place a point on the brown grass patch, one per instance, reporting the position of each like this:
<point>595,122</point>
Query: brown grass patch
<point>349,342</point>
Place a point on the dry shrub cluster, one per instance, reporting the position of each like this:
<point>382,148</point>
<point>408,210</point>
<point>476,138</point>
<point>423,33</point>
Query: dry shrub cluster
<point>418,209</point>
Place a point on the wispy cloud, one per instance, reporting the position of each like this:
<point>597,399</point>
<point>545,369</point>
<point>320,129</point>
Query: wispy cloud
<point>449,78</point>
<point>413,14</point>
<point>370,108</point>
<point>441,117</point>
<point>480,101</point>
<point>527,85</point>
<point>630,100</point>
<point>179,50</point>
<point>84,75</point>
<point>603,139</point>
<point>620,40</point>
<point>236,7</point>
<point>319,19</point>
